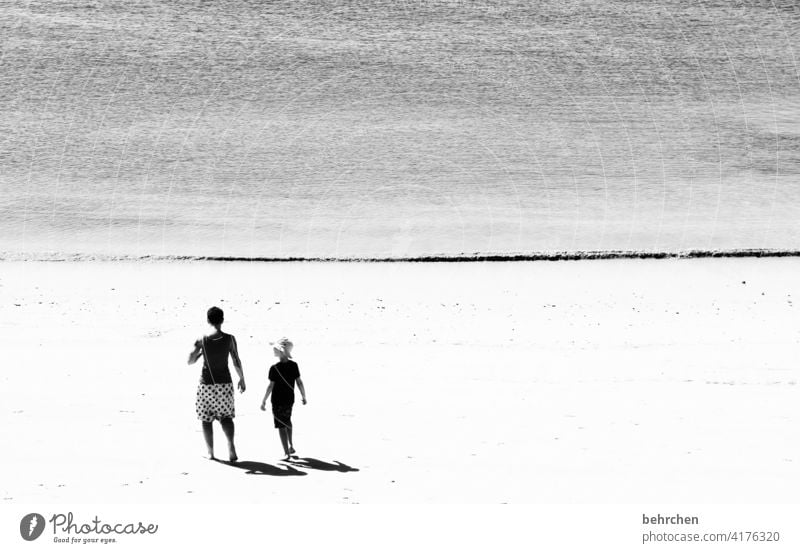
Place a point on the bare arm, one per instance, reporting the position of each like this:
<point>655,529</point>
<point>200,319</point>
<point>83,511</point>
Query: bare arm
<point>195,353</point>
<point>264,401</point>
<point>302,389</point>
<point>237,364</point>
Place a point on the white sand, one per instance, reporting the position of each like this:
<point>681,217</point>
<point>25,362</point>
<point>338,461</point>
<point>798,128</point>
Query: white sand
<point>604,381</point>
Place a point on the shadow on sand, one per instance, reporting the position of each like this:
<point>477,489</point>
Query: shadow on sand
<point>263,469</point>
<point>316,464</point>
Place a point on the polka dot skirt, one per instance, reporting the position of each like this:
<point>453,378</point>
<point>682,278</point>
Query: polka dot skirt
<point>214,401</point>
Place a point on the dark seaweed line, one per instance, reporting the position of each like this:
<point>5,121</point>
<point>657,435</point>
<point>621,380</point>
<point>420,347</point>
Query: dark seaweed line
<point>464,258</point>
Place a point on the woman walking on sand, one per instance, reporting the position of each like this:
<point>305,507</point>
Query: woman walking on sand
<point>215,391</point>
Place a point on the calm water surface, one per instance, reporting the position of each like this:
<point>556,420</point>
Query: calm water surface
<point>392,128</point>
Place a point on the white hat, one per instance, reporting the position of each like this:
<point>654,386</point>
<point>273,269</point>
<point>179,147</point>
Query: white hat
<point>284,345</point>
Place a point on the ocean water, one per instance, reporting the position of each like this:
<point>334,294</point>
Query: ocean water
<point>398,128</point>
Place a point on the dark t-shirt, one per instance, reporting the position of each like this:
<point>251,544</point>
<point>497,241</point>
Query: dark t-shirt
<point>283,376</point>
<point>215,355</point>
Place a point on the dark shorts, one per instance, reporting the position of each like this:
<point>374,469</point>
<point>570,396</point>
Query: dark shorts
<point>282,415</point>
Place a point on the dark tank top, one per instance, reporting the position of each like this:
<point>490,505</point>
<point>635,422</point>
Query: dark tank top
<point>215,357</point>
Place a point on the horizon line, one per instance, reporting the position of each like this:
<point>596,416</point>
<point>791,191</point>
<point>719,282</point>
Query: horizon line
<point>433,258</point>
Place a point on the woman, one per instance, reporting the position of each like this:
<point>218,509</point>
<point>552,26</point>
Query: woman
<point>215,391</point>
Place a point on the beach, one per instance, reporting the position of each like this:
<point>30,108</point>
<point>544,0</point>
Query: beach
<point>603,381</point>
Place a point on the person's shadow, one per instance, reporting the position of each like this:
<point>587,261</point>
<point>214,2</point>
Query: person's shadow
<point>263,469</point>
<point>316,464</point>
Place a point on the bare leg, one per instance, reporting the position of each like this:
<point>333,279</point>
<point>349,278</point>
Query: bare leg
<point>208,434</point>
<point>291,443</point>
<point>284,435</point>
<point>227,427</point>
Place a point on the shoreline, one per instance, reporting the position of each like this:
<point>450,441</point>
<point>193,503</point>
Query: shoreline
<point>459,258</point>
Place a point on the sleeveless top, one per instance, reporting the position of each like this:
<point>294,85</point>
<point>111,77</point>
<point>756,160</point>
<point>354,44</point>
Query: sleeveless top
<point>215,359</point>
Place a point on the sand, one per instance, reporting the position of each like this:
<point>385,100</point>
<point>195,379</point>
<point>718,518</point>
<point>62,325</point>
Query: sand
<point>635,381</point>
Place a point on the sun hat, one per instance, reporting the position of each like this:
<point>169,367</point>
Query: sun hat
<point>284,345</point>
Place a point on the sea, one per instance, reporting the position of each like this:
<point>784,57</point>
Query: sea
<point>398,129</point>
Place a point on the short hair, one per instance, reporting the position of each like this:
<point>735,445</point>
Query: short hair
<point>215,316</point>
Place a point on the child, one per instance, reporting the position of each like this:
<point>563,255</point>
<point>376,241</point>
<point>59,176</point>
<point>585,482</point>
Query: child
<point>282,376</point>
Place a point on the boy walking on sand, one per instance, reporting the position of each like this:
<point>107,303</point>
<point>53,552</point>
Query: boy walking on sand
<point>282,376</point>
